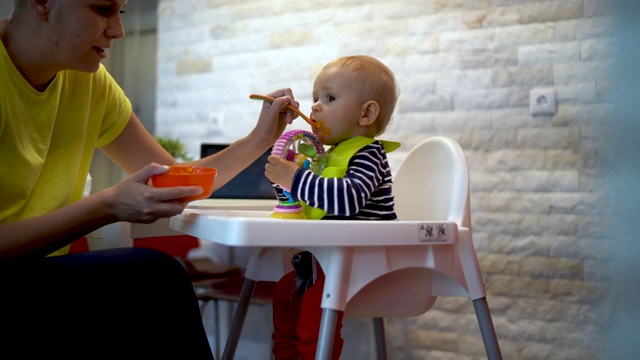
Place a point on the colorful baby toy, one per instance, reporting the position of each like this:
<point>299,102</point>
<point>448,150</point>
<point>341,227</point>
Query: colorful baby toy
<point>304,149</point>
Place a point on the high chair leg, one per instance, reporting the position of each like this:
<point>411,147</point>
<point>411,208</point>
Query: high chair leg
<point>238,320</point>
<point>378,333</point>
<point>486,329</point>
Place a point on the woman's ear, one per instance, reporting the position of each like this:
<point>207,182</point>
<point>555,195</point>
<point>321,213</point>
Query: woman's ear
<point>42,8</point>
<point>370,112</point>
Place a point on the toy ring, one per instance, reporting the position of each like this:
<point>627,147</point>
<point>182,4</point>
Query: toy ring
<point>303,148</point>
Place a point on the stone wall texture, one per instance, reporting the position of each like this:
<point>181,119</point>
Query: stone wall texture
<point>540,205</point>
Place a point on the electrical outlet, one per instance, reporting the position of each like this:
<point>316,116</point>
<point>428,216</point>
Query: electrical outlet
<point>542,101</point>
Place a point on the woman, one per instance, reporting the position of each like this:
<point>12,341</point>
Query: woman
<point>57,103</point>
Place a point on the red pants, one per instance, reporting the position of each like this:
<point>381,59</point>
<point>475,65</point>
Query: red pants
<point>296,320</point>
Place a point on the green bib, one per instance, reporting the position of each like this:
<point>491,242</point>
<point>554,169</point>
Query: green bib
<point>338,162</point>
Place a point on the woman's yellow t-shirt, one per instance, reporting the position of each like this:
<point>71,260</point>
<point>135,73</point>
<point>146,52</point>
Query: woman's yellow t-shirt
<point>47,139</point>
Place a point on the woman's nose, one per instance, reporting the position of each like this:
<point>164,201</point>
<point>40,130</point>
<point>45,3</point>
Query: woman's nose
<point>115,28</point>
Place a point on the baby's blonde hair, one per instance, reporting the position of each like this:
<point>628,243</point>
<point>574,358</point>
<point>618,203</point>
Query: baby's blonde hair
<point>373,81</point>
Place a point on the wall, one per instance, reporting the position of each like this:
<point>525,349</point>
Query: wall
<point>132,62</point>
<point>6,8</point>
<point>465,68</point>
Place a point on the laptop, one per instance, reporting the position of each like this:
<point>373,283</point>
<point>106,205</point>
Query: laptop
<point>250,184</point>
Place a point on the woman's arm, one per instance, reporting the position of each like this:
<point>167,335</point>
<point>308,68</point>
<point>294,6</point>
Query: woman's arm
<point>129,200</point>
<point>135,139</point>
<point>273,119</point>
<point>132,200</point>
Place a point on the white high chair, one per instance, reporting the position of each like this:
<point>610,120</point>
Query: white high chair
<point>431,183</point>
<point>375,268</point>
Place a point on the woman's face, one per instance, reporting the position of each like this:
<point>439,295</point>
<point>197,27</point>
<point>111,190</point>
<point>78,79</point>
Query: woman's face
<point>335,106</point>
<point>79,31</point>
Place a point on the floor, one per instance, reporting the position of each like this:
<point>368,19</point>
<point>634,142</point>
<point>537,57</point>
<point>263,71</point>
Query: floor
<point>255,342</point>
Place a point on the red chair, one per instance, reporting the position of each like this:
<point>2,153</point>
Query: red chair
<point>228,289</point>
<point>79,246</point>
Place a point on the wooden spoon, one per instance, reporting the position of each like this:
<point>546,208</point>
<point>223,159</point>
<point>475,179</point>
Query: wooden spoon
<point>309,121</point>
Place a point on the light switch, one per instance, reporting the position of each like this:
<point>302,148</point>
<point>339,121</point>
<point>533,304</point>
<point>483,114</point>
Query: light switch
<point>542,101</point>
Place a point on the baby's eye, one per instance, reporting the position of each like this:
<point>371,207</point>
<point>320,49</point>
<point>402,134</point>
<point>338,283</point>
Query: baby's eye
<point>330,98</point>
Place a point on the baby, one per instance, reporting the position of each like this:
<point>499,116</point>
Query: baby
<point>354,98</point>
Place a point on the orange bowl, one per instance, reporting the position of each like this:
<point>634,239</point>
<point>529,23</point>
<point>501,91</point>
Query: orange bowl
<point>188,176</point>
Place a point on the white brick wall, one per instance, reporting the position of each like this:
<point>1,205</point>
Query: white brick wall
<point>465,69</point>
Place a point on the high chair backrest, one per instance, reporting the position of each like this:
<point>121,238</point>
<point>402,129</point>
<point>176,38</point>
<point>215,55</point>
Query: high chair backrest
<point>432,183</point>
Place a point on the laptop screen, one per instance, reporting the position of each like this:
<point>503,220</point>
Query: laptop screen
<point>248,184</point>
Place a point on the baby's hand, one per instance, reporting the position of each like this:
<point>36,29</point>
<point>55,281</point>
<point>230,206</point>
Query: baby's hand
<point>280,171</point>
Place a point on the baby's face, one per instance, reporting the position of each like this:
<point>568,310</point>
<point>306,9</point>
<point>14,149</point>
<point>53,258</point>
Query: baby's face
<point>336,107</point>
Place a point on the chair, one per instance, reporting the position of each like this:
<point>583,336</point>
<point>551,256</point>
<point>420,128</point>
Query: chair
<point>228,289</point>
<point>431,185</point>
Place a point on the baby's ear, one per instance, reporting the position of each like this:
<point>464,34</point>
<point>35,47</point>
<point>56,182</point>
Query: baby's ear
<point>370,112</point>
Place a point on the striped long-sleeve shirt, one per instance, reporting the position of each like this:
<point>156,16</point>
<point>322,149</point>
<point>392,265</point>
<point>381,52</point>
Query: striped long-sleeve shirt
<point>364,193</point>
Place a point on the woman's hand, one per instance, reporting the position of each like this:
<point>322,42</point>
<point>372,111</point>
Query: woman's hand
<point>280,171</point>
<point>275,116</point>
<point>133,200</point>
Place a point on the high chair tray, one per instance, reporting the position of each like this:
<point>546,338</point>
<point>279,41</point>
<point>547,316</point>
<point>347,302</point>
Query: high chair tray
<point>257,228</point>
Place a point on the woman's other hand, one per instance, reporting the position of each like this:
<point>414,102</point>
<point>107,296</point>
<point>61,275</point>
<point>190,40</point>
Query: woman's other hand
<point>134,200</point>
